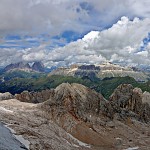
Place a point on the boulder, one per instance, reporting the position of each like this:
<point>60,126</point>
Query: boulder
<point>146,97</point>
<point>6,96</point>
<point>34,97</point>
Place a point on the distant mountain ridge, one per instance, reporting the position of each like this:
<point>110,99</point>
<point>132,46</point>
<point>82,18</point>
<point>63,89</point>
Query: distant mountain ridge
<point>105,70</point>
<point>28,67</point>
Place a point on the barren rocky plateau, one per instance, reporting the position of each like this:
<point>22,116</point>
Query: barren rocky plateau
<point>74,117</point>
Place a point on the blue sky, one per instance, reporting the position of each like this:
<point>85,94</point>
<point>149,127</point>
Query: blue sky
<point>146,41</point>
<point>41,28</point>
<point>27,41</point>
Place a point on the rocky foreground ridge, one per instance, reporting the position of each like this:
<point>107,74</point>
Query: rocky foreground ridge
<point>105,70</point>
<point>73,116</point>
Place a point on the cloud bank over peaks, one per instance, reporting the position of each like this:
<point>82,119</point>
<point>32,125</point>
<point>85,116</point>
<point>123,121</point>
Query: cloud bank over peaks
<point>121,43</point>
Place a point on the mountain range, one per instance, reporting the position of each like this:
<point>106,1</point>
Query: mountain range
<point>101,71</point>
<point>27,67</point>
<point>105,70</point>
<point>103,78</point>
<point>81,107</point>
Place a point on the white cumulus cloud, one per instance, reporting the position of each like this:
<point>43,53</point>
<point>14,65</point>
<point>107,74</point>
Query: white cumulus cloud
<point>120,43</point>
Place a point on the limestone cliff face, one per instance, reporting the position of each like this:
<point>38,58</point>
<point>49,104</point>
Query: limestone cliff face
<point>105,70</point>
<point>132,99</point>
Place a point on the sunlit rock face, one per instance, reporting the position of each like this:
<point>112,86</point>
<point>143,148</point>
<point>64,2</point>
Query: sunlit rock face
<point>146,97</point>
<point>105,70</point>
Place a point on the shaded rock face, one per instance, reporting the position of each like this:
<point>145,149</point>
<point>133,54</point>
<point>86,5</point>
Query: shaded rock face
<point>90,74</point>
<point>89,71</point>
<point>34,97</point>
<point>6,96</point>
<point>131,99</point>
<point>89,67</point>
<point>19,65</point>
<point>36,66</point>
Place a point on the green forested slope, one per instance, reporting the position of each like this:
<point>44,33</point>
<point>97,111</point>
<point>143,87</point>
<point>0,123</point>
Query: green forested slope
<point>105,86</point>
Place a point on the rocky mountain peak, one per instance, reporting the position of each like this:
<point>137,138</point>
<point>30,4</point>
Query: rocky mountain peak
<point>76,99</point>
<point>131,99</point>
<point>36,66</point>
<point>19,65</point>
<point>22,65</point>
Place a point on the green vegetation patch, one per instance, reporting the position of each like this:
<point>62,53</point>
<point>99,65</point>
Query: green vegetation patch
<point>105,86</point>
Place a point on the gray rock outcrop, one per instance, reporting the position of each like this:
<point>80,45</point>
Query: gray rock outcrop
<point>34,97</point>
<point>146,97</point>
<point>6,96</point>
<point>131,99</point>
<point>75,108</point>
